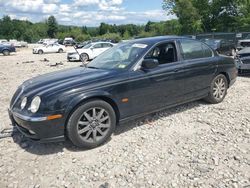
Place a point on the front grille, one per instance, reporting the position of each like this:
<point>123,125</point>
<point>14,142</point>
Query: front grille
<point>71,54</point>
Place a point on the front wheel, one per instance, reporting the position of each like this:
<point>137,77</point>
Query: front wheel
<point>60,50</point>
<point>84,57</point>
<point>218,89</point>
<point>91,124</point>
<point>40,52</point>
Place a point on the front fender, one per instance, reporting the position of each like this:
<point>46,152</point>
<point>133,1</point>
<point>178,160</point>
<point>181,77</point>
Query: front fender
<point>85,96</point>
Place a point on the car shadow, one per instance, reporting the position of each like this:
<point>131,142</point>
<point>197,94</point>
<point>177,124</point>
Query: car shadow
<point>247,74</point>
<point>151,118</point>
<point>59,147</point>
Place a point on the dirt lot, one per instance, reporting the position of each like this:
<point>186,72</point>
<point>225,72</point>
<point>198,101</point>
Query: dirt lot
<point>193,145</point>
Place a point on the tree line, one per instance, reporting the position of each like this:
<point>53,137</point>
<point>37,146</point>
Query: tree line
<point>32,32</point>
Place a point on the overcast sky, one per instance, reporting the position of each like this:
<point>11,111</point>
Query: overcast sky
<point>85,12</point>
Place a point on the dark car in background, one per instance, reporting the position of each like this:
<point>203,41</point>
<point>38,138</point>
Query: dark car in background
<point>69,43</point>
<point>128,81</point>
<point>6,49</point>
<point>222,46</point>
<point>243,43</point>
<point>82,44</point>
<point>243,60</point>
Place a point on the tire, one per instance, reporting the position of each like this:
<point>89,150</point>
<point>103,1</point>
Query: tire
<point>6,52</point>
<point>218,89</point>
<point>40,52</point>
<point>84,57</point>
<point>85,122</point>
<point>60,50</point>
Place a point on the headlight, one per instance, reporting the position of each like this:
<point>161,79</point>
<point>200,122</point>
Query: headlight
<point>23,103</point>
<point>35,104</point>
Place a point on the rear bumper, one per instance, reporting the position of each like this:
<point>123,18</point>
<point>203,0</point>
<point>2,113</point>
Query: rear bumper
<point>38,129</point>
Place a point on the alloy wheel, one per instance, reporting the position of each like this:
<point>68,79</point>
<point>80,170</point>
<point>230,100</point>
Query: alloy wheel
<point>84,57</point>
<point>94,124</point>
<point>219,89</point>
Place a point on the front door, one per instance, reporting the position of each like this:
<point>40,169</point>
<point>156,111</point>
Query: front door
<point>159,87</point>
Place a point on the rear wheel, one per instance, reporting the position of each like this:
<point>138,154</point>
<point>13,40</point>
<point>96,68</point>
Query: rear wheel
<point>218,89</point>
<point>40,52</point>
<point>91,124</point>
<point>60,50</point>
<point>6,52</point>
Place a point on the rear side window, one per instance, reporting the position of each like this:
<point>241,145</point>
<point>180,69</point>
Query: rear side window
<point>192,49</point>
<point>207,51</point>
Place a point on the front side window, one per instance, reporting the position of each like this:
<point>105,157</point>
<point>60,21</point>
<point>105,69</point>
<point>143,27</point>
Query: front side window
<point>106,45</point>
<point>164,53</point>
<point>98,45</point>
<point>192,49</point>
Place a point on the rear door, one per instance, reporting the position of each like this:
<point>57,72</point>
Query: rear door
<point>198,67</point>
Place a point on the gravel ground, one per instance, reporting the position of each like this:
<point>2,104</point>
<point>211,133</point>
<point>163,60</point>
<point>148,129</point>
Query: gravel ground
<point>193,145</point>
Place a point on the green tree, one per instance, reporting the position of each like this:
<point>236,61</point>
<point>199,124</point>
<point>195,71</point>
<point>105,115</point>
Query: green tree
<point>126,35</point>
<point>188,15</point>
<point>6,27</point>
<point>205,15</point>
<point>52,26</point>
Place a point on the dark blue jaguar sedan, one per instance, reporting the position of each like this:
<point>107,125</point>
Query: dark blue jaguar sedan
<point>128,81</point>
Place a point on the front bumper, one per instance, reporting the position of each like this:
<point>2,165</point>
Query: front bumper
<point>38,128</point>
<point>73,57</point>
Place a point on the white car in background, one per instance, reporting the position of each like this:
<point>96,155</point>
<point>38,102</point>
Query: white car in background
<point>90,51</point>
<point>50,48</point>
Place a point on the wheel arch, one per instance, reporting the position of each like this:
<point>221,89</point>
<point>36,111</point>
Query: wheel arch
<point>226,75</point>
<point>81,100</point>
<point>4,49</point>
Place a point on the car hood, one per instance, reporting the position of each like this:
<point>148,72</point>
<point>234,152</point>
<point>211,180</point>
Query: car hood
<point>65,80</point>
<point>37,48</point>
<point>244,40</point>
<point>244,51</point>
<point>81,50</point>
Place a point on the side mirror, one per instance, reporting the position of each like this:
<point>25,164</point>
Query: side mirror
<point>149,63</point>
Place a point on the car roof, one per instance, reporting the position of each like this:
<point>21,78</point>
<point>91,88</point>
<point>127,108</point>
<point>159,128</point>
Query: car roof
<point>100,42</point>
<point>153,40</point>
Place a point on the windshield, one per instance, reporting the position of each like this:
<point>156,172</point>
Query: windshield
<point>248,36</point>
<point>87,46</point>
<point>210,42</point>
<point>119,57</point>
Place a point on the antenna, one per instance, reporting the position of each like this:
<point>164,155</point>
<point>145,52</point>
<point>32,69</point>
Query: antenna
<point>82,60</point>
